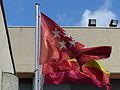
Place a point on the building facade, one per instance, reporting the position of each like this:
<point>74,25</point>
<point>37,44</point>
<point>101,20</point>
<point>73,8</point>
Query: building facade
<point>23,47</point>
<point>8,80</point>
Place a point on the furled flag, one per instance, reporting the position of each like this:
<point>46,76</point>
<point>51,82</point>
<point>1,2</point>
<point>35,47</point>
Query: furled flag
<point>57,47</point>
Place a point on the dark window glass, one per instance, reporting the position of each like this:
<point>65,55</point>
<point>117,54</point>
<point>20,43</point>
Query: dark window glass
<point>71,86</point>
<point>25,84</point>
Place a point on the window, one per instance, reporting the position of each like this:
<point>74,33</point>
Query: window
<point>26,84</point>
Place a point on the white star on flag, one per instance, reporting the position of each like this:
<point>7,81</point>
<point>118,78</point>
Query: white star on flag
<point>72,43</point>
<point>62,45</point>
<point>66,34</point>
<point>56,33</point>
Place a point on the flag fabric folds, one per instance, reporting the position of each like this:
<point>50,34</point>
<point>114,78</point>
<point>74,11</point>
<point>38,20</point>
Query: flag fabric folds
<point>62,65</point>
<point>95,75</point>
<point>97,65</point>
<point>88,76</point>
<point>57,45</point>
<point>94,53</point>
<point>65,60</point>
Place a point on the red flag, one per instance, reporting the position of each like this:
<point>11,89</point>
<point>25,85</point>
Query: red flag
<point>58,46</point>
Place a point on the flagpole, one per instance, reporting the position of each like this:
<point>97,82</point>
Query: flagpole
<point>37,50</point>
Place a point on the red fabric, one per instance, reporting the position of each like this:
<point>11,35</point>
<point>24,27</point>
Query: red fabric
<point>51,50</point>
<point>50,47</point>
<point>89,75</point>
<point>62,65</point>
<point>94,53</point>
<point>57,48</point>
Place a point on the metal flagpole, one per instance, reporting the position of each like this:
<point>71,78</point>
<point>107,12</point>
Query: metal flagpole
<point>37,49</point>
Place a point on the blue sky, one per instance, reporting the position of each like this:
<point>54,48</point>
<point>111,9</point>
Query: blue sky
<point>64,12</point>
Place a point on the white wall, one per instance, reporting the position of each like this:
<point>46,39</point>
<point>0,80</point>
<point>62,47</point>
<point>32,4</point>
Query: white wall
<point>9,82</point>
<point>22,39</point>
<point>5,58</point>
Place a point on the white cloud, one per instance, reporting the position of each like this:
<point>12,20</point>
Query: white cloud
<point>103,15</point>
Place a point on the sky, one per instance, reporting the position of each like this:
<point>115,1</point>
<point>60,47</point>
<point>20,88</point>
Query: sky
<point>63,12</point>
